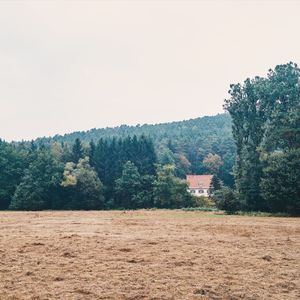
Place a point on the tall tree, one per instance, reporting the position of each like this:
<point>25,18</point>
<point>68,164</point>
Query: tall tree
<point>77,151</point>
<point>280,148</point>
<point>215,185</point>
<point>128,186</point>
<point>248,131</point>
<point>265,114</point>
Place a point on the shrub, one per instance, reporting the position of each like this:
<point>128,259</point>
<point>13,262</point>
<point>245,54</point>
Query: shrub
<point>203,201</point>
<point>226,199</point>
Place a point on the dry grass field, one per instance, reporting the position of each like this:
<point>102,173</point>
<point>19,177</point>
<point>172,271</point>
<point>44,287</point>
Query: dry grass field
<point>157,254</point>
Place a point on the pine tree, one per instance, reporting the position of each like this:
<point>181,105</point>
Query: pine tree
<point>215,185</point>
<point>77,151</point>
<point>92,153</point>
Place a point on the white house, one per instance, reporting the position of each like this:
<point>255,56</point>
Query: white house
<point>199,184</point>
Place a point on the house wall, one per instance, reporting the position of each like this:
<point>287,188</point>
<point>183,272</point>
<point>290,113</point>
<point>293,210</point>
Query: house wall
<point>199,192</point>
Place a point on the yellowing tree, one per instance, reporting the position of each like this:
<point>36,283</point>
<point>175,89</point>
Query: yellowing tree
<point>213,163</point>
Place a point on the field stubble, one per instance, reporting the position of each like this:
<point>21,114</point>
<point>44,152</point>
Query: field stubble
<point>158,254</point>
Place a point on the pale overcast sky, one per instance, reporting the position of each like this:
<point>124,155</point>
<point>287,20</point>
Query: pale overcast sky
<point>76,65</point>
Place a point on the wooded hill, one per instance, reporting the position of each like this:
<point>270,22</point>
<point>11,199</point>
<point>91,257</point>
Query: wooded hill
<point>141,166</point>
<point>122,167</point>
<point>183,143</point>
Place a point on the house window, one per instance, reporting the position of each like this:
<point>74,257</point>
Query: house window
<point>201,191</point>
<point>193,191</point>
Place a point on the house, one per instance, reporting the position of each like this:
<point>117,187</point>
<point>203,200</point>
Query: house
<point>199,184</point>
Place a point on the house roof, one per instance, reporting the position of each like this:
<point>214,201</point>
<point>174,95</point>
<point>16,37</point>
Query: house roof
<point>199,181</point>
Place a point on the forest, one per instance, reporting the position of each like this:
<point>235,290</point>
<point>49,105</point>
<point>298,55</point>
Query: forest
<point>252,150</point>
<point>184,144</point>
<point>123,167</point>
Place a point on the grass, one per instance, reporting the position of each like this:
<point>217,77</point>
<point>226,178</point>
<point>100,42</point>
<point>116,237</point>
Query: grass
<point>147,254</point>
<point>238,213</point>
<point>258,214</point>
<point>200,209</point>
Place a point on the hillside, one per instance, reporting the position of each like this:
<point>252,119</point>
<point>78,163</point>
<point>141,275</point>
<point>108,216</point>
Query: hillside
<point>218,125</point>
<point>184,143</point>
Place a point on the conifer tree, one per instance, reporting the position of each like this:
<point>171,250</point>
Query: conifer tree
<point>77,151</point>
<point>215,185</point>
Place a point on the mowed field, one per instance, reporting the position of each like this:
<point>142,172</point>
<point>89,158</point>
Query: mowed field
<point>155,254</point>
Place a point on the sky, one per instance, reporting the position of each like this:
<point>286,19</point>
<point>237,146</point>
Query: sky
<point>75,65</point>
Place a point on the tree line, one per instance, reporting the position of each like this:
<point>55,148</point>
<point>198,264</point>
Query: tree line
<point>253,151</point>
<point>265,116</point>
<point>110,174</point>
<point>184,144</point>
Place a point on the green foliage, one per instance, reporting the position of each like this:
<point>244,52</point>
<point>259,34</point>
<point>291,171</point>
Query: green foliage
<point>200,209</point>
<point>215,185</point>
<point>82,187</point>
<point>183,166</point>
<point>184,144</point>
<point>259,214</point>
<point>203,201</point>
<point>70,178</point>
<point>226,199</point>
<point>266,121</point>
<point>170,191</point>
<point>264,114</point>
<point>11,172</point>
<point>281,182</point>
<point>166,156</point>
<point>109,156</point>
<point>77,151</point>
<point>144,199</point>
<point>213,163</point>
<point>248,131</point>
<point>40,184</point>
<point>46,177</point>
<point>128,186</point>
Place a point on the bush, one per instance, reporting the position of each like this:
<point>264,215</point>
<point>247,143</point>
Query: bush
<point>261,214</point>
<point>226,199</point>
<point>170,191</point>
<point>203,201</point>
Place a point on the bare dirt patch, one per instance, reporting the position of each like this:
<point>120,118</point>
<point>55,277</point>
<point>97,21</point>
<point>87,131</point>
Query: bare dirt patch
<point>148,255</point>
